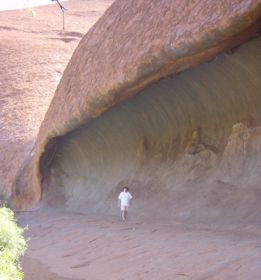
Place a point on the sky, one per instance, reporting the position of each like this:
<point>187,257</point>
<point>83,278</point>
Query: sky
<point>21,4</point>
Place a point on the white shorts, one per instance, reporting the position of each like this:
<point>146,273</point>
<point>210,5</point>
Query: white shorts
<point>124,208</point>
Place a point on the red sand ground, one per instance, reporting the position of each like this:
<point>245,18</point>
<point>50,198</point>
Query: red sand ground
<point>34,52</point>
<point>71,246</point>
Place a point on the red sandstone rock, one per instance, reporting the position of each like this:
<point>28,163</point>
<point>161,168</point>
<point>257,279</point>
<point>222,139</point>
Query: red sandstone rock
<point>133,45</point>
<point>203,168</point>
<point>34,52</point>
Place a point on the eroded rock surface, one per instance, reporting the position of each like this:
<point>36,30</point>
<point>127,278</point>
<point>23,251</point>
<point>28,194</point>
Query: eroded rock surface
<point>156,96</point>
<point>34,52</point>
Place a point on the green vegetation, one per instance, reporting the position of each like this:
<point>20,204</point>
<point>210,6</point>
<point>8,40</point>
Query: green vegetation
<point>12,246</point>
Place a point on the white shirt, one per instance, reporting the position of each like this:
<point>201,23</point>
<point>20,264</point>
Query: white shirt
<point>125,198</point>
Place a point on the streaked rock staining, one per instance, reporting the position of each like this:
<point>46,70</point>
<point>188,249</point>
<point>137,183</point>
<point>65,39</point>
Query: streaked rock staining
<point>164,97</point>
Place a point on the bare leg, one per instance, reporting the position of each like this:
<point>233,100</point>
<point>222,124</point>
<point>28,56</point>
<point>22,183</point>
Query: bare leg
<point>124,215</point>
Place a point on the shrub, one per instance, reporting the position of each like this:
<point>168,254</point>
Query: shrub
<point>12,246</point>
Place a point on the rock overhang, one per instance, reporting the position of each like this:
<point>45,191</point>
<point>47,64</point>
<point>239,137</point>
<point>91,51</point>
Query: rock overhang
<point>132,46</point>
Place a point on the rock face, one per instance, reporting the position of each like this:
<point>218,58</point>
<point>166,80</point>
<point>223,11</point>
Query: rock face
<point>165,98</point>
<point>34,53</point>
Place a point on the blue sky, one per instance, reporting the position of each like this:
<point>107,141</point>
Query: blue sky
<point>21,4</point>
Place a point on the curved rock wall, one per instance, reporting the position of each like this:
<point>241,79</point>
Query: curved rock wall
<point>188,147</point>
<point>126,111</point>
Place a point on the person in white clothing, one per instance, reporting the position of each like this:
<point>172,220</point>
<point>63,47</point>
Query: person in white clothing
<point>124,202</point>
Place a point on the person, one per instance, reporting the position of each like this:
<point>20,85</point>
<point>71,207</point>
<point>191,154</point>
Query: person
<point>124,202</point>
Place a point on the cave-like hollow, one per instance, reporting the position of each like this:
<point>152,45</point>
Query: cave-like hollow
<point>187,146</point>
